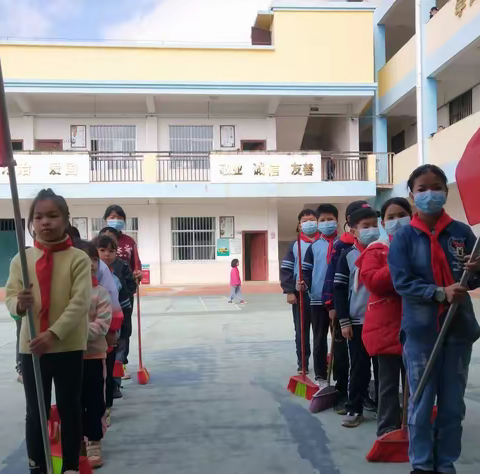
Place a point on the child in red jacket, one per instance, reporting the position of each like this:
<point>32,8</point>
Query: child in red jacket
<point>235,282</point>
<point>381,329</point>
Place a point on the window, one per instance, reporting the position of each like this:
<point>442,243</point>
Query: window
<point>191,138</point>
<point>460,107</point>
<point>193,238</point>
<point>131,227</point>
<point>253,145</point>
<point>17,145</point>
<point>113,138</point>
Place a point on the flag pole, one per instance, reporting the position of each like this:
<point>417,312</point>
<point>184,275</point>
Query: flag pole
<point>419,81</point>
<point>6,159</point>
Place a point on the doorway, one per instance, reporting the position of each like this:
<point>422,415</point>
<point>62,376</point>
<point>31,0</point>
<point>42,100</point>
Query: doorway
<point>255,251</point>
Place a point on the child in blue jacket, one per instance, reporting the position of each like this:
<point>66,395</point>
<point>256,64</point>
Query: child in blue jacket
<point>308,228</point>
<point>427,259</point>
<point>317,258</point>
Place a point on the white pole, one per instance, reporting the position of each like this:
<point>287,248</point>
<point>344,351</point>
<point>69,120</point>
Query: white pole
<point>419,75</point>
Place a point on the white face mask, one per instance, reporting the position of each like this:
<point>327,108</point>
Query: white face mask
<point>369,235</point>
<point>391,227</point>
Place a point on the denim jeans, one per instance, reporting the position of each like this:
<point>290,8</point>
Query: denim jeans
<point>436,447</point>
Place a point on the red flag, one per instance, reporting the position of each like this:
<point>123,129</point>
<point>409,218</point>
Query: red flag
<point>6,153</point>
<point>468,179</point>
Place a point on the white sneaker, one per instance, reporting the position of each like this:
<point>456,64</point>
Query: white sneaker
<point>322,383</point>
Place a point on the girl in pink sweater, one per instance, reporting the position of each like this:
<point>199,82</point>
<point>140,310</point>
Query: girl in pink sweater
<point>235,282</point>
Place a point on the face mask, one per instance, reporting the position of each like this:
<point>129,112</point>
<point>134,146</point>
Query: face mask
<point>117,224</point>
<point>430,202</point>
<point>309,227</point>
<point>392,226</point>
<point>327,227</point>
<point>367,236</point>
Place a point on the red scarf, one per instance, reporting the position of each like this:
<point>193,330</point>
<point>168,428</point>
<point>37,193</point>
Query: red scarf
<point>347,238</point>
<point>94,281</point>
<point>330,239</point>
<point>359,245</point>
<point>441,269</point>
<point>44,271</point>
<point>308,239</point>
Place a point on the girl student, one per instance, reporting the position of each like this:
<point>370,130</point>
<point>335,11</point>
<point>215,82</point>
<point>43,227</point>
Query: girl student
<point>116,218</point>
<point>381,329</point>
<point>60,299</point>
<point>427,259</point>
<point>235,282</point>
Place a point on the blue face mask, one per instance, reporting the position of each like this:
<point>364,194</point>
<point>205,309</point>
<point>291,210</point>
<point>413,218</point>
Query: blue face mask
<point>117,224</point>
<point>392,226</point>
<point>309,227</point>
<point>430,202</point>
<point>367,236</point>
<point>327,227</point>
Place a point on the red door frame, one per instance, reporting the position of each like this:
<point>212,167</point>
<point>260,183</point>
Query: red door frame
<point>266,251</point>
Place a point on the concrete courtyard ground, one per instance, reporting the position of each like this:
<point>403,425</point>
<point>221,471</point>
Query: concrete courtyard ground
<point>217,400</point>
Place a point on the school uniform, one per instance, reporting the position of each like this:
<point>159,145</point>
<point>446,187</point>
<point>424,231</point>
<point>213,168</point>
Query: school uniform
<point>317,258</point>
<point>289,271</point>
<point>351,304</point>
<point>422,260</point>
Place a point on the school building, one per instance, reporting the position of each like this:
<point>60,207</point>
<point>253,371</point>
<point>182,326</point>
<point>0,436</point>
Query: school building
<point>212,150</point>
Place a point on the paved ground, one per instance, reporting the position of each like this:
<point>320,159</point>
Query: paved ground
<point>217,401</point>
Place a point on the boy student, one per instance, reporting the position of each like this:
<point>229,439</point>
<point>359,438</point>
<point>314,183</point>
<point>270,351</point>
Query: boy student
<point>351,298</point>
<point>315,265</point>
<point>308,228</point>
<point>340,352</point>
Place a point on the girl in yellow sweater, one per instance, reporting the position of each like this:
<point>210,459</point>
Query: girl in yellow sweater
<point>60,297</point>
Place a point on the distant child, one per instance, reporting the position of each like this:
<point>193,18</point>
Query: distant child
<point>427,259</point>
<point>235,282</point>
<point>60,299</point>
<point>289,270</point>
<point>381,329</point>
<point>93,393</point>
<point>351,299</point>
<point>315,264</point>
<point>107,250</point>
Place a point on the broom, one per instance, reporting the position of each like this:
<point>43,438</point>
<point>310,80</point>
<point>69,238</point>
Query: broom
<point>142,374</point>
<point>301,385</point>
<point>326,397</point>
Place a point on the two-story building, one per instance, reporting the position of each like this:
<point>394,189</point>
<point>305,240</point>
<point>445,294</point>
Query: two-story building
<point>212,150</point>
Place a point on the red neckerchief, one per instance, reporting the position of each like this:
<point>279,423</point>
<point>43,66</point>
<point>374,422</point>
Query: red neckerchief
<point>308,239</point>
<point>441,269</point>
<point>94,281</point>
<point>359,245</point>
<point>330,239</point>
<point>347,238</point>
<point>44,271</point>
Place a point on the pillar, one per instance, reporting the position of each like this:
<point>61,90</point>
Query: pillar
<point>28,132</point>
<point>380,140</point>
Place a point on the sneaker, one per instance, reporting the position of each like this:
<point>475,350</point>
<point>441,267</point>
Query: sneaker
<point>322,383</point>
<point>369,405</point>
<point>108,417</point>
<point>300,371</point>
<point>117,393</point>
<point>243,302</point>
<point>94,454</point>
<point>126,375</point>
<point>230,301</point>
<point>20,378</point>
<point>352,420</point>
<point>340,406</point>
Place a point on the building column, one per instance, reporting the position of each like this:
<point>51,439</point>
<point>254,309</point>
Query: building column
<point>353,131</point>
<point>29,132</point>
<point>151,132</point>
<point>380,137</point>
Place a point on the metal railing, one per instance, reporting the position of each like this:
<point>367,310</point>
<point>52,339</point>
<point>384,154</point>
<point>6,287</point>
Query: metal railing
<point>344,167</point>
<point>183,167</point>
<point>116,167</point>
<point>384,169</point>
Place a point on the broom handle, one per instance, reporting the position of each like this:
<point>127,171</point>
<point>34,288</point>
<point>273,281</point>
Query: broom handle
<point>443,332</point>
<point>301,305</point>
<point>140,363</point>
<point>330,365</point>
<point>406,397</point>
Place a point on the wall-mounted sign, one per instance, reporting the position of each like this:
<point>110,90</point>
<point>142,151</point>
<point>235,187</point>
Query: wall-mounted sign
<point>235,246</point>
<point>78,136</point>
<point>223,247</point>
<point>81,223</point>
<point>227,136</point>
<point>49,169</point>
<point>145,274</point>
<point>265,168</point>
<point>227,227</point>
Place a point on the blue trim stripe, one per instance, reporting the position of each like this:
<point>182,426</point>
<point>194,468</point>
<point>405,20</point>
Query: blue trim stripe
<point>245,88</point>
<point>337,6</point>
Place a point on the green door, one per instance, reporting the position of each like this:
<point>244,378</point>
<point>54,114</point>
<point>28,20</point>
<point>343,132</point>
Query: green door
<point>8,244</point>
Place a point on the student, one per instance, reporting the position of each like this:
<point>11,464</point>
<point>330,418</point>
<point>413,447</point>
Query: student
<point>427,259</point>
<point>340,351</point>
<point>127,251</point>
<point>235,282</point>
<point>351,304</point>
<point>308,228</point>
<point>107,250</point>
<point>317,258</point>
<point>93,398</point>
<point>381,329</point>
<point>60,300</point>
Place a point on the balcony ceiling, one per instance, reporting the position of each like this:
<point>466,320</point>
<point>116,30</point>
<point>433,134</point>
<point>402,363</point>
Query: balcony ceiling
<point>177,105</point>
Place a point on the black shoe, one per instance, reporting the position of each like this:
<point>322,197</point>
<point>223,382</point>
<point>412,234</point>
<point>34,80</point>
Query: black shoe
<point>369,405</point>
<point>300,371</point>
<point>117,393</point>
